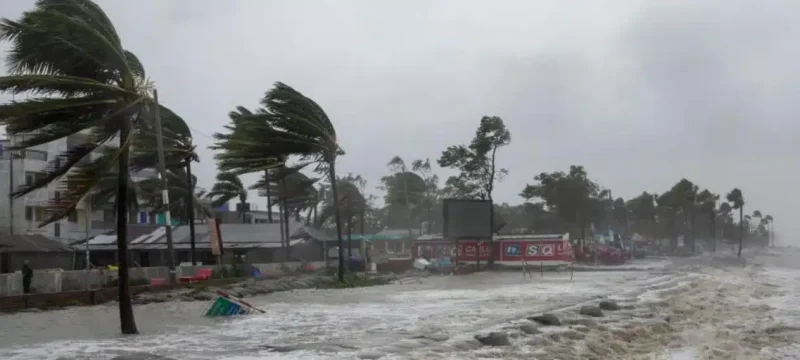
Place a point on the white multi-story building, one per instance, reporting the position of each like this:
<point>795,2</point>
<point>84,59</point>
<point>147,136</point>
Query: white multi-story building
<point>28,211</point>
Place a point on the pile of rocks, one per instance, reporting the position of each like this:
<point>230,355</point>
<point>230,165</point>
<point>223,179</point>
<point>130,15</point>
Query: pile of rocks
<point>576,327</point>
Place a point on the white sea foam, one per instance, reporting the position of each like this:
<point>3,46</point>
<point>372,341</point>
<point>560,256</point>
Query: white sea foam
<point>675,314</point>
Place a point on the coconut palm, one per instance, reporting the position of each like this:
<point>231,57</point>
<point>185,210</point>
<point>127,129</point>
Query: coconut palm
<point>769,219</point>
<point>736,198</point>
<point>290,124</point>
<point>228,186</point>
<point>292,190</point>
<point>67,55</point>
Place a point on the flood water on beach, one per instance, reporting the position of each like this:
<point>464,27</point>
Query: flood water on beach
<point>429,318</point>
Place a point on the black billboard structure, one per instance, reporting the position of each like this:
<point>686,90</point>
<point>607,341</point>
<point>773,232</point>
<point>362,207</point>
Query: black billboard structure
<point>468,220</point>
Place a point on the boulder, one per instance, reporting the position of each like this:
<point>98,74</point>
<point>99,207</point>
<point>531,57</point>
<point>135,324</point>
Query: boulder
<point>546,319</point>
<point>538,342</point>
<point>494,339</point>
<point>592,311</point>
<point>574,335</point>
<point>581,328</point>
<point>529,329</point>
<point>609,305</point>
<point>583,322</point>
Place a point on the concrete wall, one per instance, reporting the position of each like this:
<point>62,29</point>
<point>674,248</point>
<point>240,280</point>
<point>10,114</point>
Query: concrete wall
<point>49,281</point>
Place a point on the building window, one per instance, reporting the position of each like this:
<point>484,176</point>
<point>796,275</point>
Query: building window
<point>35,154</point>
<point>29,213</point>
<point>57,230</point>
<point>73,216</point>
<point>40,213</point>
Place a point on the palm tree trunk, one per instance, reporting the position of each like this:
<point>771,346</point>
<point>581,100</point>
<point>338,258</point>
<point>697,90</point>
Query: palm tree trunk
<point>127,322</point>
<point>338,218</point>
<point>280,223</point>
<point>741,229</point>
<point>349,235</point>
<point>285,225</point>
<point>269,198</point>
<point>190,210</point>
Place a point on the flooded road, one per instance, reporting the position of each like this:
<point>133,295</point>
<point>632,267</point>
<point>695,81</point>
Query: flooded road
<point>385,321</point>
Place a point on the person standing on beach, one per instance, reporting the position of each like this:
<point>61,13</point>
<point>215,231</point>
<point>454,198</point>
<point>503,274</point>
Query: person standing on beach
<point>27,276</point>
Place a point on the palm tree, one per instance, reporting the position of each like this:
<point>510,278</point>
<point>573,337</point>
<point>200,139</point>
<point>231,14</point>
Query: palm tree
<point>227,188</point>
<point>736,198</point>
<point>292,190</point>
<point>769,221</point>
<point>290,124</point>
<point>69,57</point>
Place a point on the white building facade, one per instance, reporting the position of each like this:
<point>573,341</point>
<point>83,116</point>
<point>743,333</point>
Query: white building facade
<point>28,211</point>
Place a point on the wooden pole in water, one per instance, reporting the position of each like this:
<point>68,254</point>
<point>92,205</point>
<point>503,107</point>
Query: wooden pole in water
<point>571,271</point>
<point>541,267</point>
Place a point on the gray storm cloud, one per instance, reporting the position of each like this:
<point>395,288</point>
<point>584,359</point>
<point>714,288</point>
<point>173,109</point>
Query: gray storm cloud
<point>642,93</point>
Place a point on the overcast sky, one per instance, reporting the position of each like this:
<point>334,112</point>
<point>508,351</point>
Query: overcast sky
<point>642,93</point>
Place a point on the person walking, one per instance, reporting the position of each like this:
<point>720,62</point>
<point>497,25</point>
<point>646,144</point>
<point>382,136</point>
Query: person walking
<point>27,276</point>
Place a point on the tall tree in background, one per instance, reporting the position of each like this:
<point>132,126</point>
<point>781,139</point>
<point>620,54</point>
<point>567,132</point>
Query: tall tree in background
<point>643,210</point>
<point>476,162</point>
<point>350,206</point>
<point>573,196</point>
<point>227,187</point>
<point>292,125</point>
<point>736,198</point>
<point>708,205</point>
<point>423,168</point>
<point>769,219</point>
<point>294,191</point>
<point>620,215</point>
<point>68,56</point>
<point>398,191</point>
<point>405,192</point>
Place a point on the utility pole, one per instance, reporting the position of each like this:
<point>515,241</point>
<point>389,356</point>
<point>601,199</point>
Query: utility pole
<point>11,188</point>
<point>11,181</point>
<point>162,170</point>
<point>190,207</point>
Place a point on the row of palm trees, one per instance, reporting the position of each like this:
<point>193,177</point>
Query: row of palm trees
<point>683,205</point>
<point>67,57</point>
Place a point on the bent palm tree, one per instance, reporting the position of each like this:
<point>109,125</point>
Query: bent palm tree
<point>737,200</point>
<point>67,55</point>
<point>227,188</point>
<point>290,124</point>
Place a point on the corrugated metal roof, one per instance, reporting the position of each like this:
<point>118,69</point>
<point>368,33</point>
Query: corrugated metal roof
<point>505,237</point>
<point>31,243</point>
<point>233,236</point>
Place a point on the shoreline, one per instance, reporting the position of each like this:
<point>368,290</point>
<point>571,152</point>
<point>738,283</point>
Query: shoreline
<point>202,291</point>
